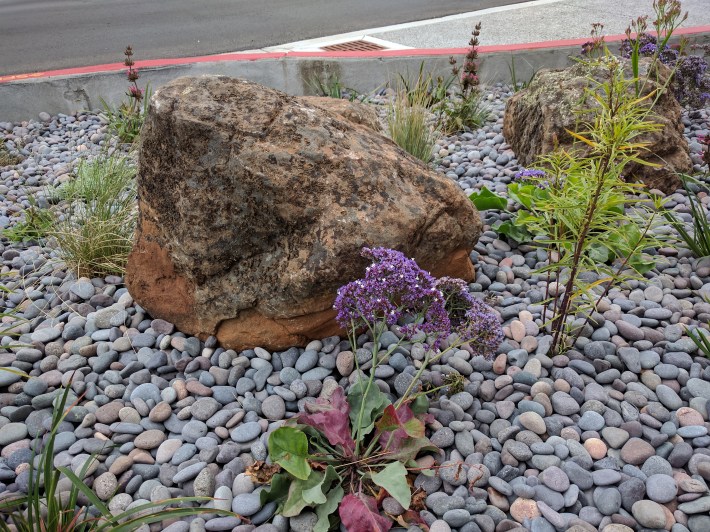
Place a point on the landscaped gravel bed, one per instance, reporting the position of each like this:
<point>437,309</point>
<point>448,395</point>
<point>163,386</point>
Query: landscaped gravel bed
<point>612,434</point>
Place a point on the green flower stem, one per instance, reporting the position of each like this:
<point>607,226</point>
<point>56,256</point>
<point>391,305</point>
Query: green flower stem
<point>425,364</point>
<point>370,380</point>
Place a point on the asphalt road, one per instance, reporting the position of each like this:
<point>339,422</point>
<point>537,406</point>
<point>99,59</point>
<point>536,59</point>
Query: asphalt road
<point>37,35</point>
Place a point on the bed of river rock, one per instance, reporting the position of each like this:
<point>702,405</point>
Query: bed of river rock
<point>613,435</point>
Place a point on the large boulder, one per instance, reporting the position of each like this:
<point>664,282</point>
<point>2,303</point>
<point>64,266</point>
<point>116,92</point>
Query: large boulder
<point>537,120</point>
<point>254,206</point>
<point>354,111</point>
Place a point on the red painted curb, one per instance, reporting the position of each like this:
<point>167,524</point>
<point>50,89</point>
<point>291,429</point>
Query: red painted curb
<point>237,56</point>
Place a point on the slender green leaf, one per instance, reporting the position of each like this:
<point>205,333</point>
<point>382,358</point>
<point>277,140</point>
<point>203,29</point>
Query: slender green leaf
<point>88,493</point>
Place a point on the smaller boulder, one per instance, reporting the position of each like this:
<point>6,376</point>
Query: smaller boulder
<point>538,120</point>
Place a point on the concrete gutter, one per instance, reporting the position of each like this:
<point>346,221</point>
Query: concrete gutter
<point>68,91</point>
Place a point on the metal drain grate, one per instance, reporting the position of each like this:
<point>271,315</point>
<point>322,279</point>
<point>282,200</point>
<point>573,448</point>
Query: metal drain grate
<point>353,46</point>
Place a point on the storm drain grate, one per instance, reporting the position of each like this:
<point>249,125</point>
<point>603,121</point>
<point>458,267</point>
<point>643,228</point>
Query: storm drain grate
<point>353,46</point>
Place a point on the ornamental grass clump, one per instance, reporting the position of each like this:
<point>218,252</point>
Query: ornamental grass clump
<point>409,125</point>
<point>344,454</point>
<point>697,239</point>
<point>95,234</point>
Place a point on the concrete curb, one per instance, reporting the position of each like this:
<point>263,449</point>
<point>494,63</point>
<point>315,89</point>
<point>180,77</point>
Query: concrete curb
<point>23,96</point>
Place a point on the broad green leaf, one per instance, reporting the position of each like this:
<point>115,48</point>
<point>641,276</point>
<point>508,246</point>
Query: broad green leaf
<point>485,199</point>
<point>295,503</point>
<point>600,253</point>
<point>372,405</point>
<point>278,489</point>
<point>323,511</point>
<point>641,265</point>
<point>288,447</point>
<point>522,193</point>
<point>420,405</point>
<point>317,493</point>
<point>393,478</point>
<point>507,228</point>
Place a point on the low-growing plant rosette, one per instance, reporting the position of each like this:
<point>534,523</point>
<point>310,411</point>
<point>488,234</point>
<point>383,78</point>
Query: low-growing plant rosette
<point>349,451</point>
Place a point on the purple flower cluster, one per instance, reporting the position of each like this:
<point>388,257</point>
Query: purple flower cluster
<point>648,47</point>
<point>691,83</point>
<point>533,177</point>
<point>395,288</point>
<point>528,173</point>
<point>471,319</point>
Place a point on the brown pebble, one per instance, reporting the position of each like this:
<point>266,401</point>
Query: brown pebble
<point>160,412</point>
<point>198,388</point>
<point>499,364</point>
<point>522,509</point>
<point>568,433</point>
<point>498,500</point>
<point>689,416</point>
<point>636,451</point>
<point>150,439</point>
<point>180,389</point>
<point>108,413</point>
<point>517,329</point>
<point>562,386</point>
<point>120,465</point>
<point>140,456</point>
<point>596,448</point>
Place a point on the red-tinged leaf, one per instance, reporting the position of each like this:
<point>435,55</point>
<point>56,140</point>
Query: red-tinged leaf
<point>331,417</point>
<point>389,420</point>
<point>410,448</point>
<point>358,513</point>
<point>398,426</point>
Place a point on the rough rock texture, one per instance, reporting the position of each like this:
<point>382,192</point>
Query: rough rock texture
<point>356,112</point>
<point>254,206</point>
<point>537,117</point>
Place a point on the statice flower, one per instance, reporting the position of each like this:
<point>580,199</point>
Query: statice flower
<point>533,177</point>
<point>457,299</point>
<point>627,45</point>
<point>481,329</point>
<point>394,286</point>
<point>648,49</point>
<point>528,173</point>
<point>691,82</point>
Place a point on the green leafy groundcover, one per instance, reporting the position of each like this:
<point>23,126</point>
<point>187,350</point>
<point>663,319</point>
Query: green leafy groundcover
<point>324,469</point>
